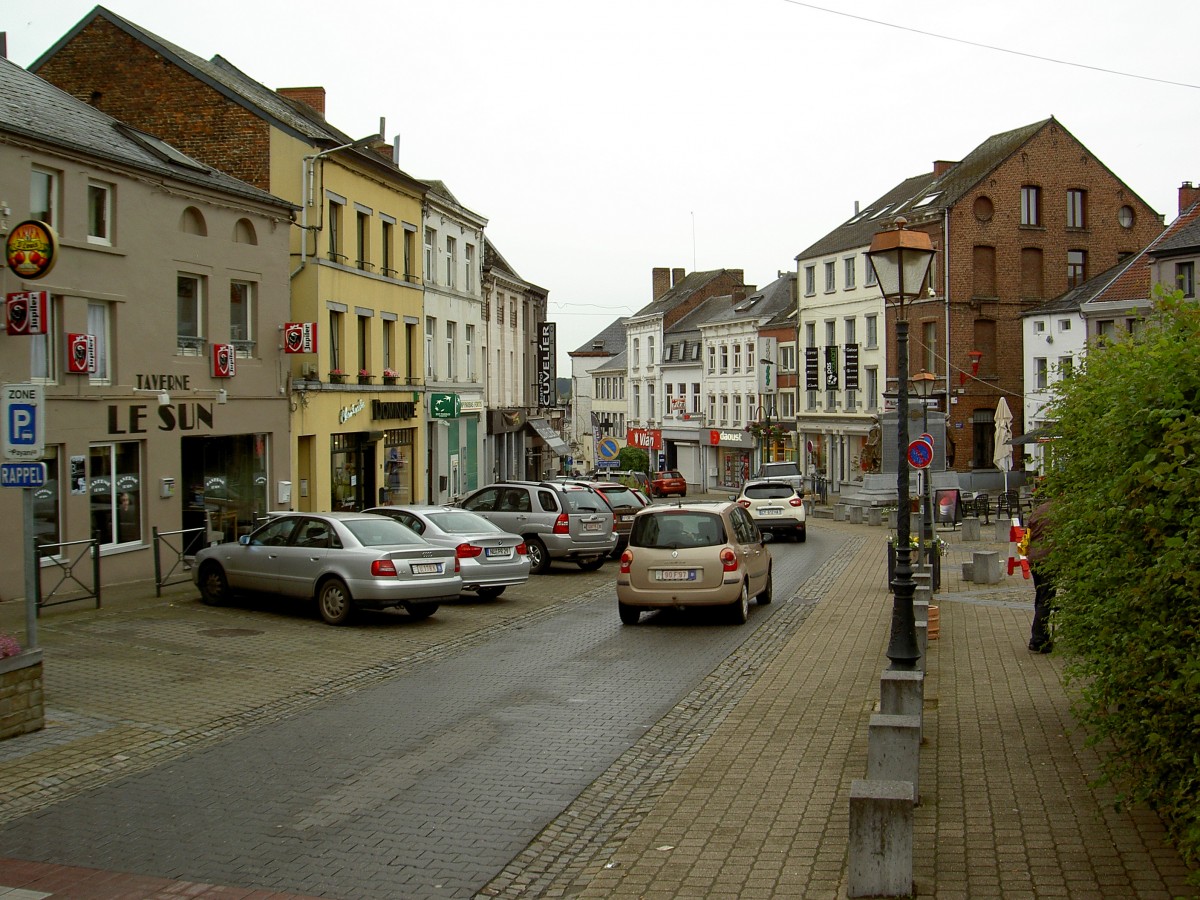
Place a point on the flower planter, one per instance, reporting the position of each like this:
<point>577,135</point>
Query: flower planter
<point>389,379</point>
<point>22,704</point>
<point>336,378</point>
<point>364,379</point>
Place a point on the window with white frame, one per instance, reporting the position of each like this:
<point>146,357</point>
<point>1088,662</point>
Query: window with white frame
<point>787,357</point>
<point>869,279</point>
<point>724,359</point>
<point>830,276</point>
<point>451,349</point>
<point>637,353</point>
<point>830,332</point>
<point>430,355</point>
<point>737,409</point>
<point>1185,278</point>
<point>43,196</point>
<point>712,360</point>
<point>100,328</point>
<point>810,334</point>
<point>849,273</point>
<point>469,258</point>
<point>637,401</point>
<point>99,200</point>
<point>337,319</point>
<point>189,314</point>
<point>241,317</point>
<point>810,280</point>
<point>1031,205</point>
<point>787,405</point>
<point>872,389</point>
<point>362,238</point>
<point>387,250</point>
<point>1040,373</point>
<point>650,350</point>
<point>1066,367</point>
<point>451,261</point>
<point>363,334</point>
<point>430,256</point>
<point>849,325</point>
<point>737,358</point>
<point>43,356</point>
<point>872,331</point>
<point>1076,208</point>
<point>469,347</point>
<point>1039,326</point>
<point>389,345</point>
<point>695,407</point>
<point>724,409</point>
<point>336,210</point>
<point>712,408</point>
<point>651,403</point>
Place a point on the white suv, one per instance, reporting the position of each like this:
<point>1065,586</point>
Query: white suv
<point>775,506</point>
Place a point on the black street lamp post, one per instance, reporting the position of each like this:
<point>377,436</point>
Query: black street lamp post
<point>923,386</point>
<point>900,259</point>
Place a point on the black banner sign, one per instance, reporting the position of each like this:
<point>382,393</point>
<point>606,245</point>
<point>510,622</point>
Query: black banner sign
<point>850,365</point>
<point>812,380</point>
<point>831,370</point>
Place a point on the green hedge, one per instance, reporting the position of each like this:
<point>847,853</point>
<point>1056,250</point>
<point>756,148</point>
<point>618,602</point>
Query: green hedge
<point>1125,486</point>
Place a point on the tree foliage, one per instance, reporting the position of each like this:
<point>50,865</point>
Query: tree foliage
<point>1125,486</point>
<point>633,459</point>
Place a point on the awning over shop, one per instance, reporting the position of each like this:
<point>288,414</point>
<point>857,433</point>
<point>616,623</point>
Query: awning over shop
<point>550,436</point>
<point>1038,435</point>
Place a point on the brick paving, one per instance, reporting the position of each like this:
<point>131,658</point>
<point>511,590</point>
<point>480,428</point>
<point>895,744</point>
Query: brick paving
<point>743,789</point>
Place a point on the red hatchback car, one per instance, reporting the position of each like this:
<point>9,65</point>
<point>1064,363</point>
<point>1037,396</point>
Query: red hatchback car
<point>668,482</point>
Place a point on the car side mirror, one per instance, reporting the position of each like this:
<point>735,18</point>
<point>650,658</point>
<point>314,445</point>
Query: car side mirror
<point>244,540</point>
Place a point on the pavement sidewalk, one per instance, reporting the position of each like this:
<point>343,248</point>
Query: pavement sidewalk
<point>1007,808</point>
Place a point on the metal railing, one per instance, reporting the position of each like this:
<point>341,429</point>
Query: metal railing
<point>819,487</point>
<point>64,566</point>
<point>179,548</point>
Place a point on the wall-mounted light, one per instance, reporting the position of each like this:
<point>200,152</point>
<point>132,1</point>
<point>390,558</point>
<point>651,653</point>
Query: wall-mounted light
<point>164,398</point>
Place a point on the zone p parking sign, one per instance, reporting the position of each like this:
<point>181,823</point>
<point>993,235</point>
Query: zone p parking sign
<point>24,421</point>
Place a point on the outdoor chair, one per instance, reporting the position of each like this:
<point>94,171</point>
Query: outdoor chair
<point>1008,505</point>
<point>983,507</point>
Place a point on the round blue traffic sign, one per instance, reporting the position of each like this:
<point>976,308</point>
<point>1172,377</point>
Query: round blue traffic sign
<point>920,454</point>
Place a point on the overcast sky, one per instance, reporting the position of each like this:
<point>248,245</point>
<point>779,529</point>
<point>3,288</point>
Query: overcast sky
<point>603,139</point>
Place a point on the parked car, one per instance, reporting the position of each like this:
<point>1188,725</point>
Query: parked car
<point>343,561</point>
<point>693,554</point>
<point>628,477</point>
<point>781,471</point>
<point>776,508</point>
<point>558,521</point>
<point>623,502</point>
<point>667,483</point>
<point>489,558</point>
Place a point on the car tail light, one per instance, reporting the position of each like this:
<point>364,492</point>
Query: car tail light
<point>797,501</point>
<point>562,525</point>
<point>744,504</point>
<point>626,561</point>
<point>467,551</point>
<point>729,560</point>
<point>383,568</point>
<point>457,567</point>
<point>522,550</point>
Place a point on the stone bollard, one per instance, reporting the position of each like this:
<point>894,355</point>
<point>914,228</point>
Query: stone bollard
<point>970,530</point>
<point>921,610</point>
<point>839,512</point>
<point>1002,527</point>
<point>968,572</point>
<point>894,750</point>
<point>808,507</point>
<point>881,839</point>
<point>856,515</point>
<point>923,643</point>
<point>987,566</point>
<point>874,516</point>
<point>901,692</point>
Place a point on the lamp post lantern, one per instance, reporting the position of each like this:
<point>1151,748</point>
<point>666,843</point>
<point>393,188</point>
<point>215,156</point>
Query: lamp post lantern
<point>900,259</point>
<point>922,384</point>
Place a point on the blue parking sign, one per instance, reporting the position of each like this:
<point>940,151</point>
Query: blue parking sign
<point>23,420</point>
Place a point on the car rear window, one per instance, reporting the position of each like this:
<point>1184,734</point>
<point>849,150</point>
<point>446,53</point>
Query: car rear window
<point>462,522</point>
<point>768,490</point>
<point>378,531</point>
<point>584,500</point>
<point>777,469</point>
<point>619,495</point>
<point>678,529</point>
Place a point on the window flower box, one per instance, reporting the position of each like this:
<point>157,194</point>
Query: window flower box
<point>337,376</point>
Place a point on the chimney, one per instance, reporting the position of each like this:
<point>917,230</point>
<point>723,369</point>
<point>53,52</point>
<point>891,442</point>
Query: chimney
<point>739,274</point>
<point>738,295</point>
<point>1187,196</point>
<point>313,97</point>
<point>660,282</point>
<point>677,276</point>
<point>942,166</point>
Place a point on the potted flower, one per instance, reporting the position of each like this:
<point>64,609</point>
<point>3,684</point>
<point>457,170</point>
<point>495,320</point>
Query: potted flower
<point>337,376</point>
<point>389,376</point>
<point>364,376</point>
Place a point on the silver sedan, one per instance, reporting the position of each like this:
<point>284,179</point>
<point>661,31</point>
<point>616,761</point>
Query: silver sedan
<point>490,559</point>
<point>344,561</point>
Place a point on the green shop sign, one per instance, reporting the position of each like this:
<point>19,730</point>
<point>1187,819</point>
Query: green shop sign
<point>444,406</point>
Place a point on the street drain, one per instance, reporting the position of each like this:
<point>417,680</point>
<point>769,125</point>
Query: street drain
<point>229,632</point>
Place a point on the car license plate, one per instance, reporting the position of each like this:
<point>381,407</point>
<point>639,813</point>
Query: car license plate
<point>591,526</point>
<point>771,511</point>
<point>676,574</point>
<point>626,518</point>
<point>427,568</point>
<point>498,552</point>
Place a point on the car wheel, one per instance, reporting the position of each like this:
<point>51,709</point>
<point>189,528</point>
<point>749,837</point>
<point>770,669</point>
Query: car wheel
<point>801,535</point>
<point>214,589</point>
<point>419,611</point>
<point>739,613</point>
<point>490,593</point>
<point>591,565</point>
<point>768,592</point>
<point>334,602</point>
<point>629,614</point>
<point>539,559</point>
